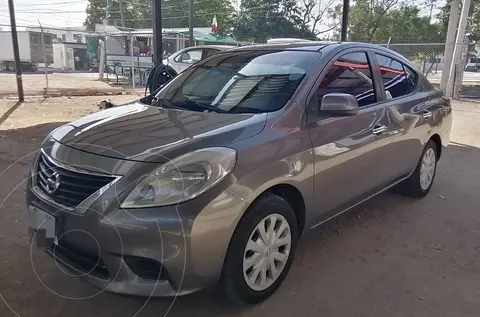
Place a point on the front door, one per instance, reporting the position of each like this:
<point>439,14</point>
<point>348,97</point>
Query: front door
<point>347,157</point>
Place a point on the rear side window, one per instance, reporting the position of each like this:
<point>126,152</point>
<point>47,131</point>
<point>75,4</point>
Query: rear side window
<point>209,51</point>
<point>398,79</point>
<point>411,78</point>
<point>350,74</point>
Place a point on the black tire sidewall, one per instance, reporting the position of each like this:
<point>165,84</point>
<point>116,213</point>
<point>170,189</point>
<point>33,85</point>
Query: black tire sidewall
<point>233,279</point>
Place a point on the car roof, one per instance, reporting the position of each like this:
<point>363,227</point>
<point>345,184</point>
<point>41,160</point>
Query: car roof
<point>311,46</point>
<point>321,45</point>
<point>214,46</point>
<point>302,46</point>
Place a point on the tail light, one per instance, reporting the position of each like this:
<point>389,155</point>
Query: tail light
<point>447,100</point>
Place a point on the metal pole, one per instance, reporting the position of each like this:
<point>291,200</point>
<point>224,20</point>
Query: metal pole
<point>190,23</point>
<point>346,9</point>
<point>133,61</point>
<point>457,85</point>
<point>16,51</point>
<point>44,57</point>
<point>105,22</point>
<point>122,15</point>
<point>157,32</point>
<point>101,63</point>
<point>457,52</point>
<point>450,44</point>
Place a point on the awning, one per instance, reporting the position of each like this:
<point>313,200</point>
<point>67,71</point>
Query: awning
<point>209,37</point>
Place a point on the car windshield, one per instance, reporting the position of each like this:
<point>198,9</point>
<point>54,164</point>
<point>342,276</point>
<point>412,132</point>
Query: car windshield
<point>239,82</point>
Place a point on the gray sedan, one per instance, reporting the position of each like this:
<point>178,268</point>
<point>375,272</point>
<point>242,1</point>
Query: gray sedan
<point>212,184</point>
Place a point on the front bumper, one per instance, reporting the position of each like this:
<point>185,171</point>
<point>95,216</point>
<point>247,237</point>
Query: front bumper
<point>100,242</point>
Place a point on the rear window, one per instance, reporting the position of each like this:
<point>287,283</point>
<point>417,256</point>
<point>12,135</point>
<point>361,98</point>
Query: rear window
<point>241,81</point>
<point>398,79</point>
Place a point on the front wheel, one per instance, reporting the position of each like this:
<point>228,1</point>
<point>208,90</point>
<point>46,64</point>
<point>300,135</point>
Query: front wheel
<point>261,251</point>
<point>420,182</point>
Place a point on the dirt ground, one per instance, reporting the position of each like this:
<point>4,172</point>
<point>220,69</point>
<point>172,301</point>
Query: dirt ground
<point>392,256</point>
<point>66,83</point>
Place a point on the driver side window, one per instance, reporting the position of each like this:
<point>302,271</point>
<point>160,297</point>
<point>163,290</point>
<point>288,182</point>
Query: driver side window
<point>350,74</point>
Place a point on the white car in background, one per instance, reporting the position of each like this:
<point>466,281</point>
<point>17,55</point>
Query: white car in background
<point>182,59</point>
<point>473,64</point>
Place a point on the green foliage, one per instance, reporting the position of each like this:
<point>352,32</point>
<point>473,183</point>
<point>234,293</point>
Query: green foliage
<point>259,20</point>
<point>379,21</point>
<point>138,13</point>
<point>473,25</point>
<point>175,14</point>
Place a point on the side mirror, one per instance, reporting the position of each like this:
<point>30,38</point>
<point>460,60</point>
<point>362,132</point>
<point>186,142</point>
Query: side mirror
<point>339,104</point>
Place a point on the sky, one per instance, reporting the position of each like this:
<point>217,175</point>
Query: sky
<point>56,13</point>
<point>51,13</point>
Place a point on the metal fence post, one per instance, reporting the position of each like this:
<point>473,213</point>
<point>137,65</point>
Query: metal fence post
<point>16,52</point>
<point>133,61</point>
<point>101,62</point>
<point>45,66</point>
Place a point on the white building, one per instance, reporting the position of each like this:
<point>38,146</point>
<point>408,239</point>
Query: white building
<point>67,34</point>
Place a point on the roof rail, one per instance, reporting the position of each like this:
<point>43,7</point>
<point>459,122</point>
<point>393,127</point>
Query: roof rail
<point>286,40</point>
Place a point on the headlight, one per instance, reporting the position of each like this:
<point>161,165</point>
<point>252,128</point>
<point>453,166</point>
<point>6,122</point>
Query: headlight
<point>182,178</point>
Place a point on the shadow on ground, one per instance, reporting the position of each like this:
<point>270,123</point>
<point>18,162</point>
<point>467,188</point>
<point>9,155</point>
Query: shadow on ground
<point>391,256</point>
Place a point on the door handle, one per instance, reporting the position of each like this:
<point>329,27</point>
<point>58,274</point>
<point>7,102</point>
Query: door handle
<point>379,129</point>
<point>427,114</point>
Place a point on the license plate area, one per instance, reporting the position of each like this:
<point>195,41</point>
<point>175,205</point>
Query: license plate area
<point>42,226</point>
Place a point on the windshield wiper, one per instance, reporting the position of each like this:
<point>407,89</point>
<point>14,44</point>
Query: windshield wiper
<point>196,106</point>
<point>163,104</point>
<point>206,106</point>
<point>188,104</point>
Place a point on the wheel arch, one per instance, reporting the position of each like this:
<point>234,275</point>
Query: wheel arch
<point>294,198</point>
<point>438,143</point>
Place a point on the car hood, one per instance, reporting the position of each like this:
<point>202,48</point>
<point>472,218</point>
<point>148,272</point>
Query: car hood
<point>151,134</point>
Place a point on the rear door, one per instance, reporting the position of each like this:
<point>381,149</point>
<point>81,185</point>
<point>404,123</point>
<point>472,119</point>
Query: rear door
<point>408,113</point>
<point>348,158</point>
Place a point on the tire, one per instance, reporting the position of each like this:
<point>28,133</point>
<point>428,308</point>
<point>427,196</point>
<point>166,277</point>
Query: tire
<point>233,282</point>
<point>413,186</point>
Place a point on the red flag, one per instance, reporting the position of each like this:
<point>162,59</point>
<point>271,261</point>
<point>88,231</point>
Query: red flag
<point>214,24</point>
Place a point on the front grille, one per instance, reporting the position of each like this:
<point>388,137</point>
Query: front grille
<point>67,187</point>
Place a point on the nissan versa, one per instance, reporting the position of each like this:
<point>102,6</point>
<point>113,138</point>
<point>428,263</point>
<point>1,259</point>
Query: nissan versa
<point>211,184</point>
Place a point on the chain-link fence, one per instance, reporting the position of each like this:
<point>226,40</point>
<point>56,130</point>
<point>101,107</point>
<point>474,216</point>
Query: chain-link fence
<point>428,57</point>
<point>71,61</point>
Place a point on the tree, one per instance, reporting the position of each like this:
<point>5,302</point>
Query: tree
<point>313,12</point>
<point>366,17</point>
<point>138,13</point>
<point>259,20</point>
<point>175,14</point>
<point>405,24</point>
<point>473,24</point>
<point>380,20</point>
